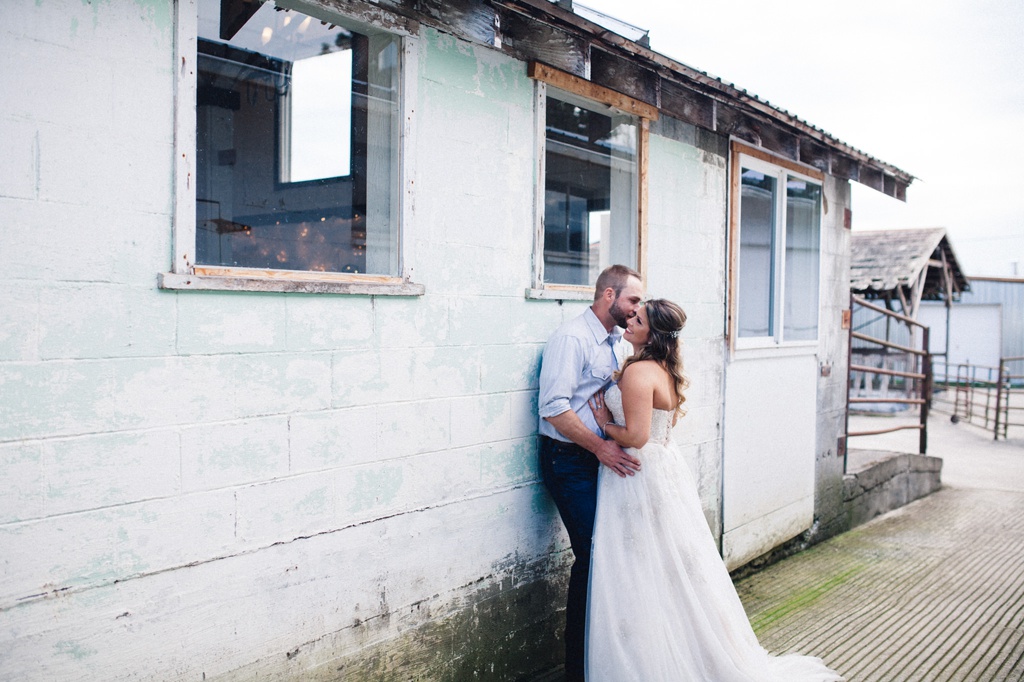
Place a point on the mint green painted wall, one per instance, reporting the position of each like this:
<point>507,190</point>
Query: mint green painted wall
<point>230,483</point>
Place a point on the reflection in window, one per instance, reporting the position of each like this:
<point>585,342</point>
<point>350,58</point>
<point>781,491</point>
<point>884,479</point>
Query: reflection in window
<point>757,261</point>
<point>778,268</point>
<point>590,191</point>
<point>297,152</point>
<point>803,239</point>
<point>316,130</point>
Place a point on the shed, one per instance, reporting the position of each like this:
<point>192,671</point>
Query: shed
<point>904,266</point>
<point>270,412</point>
<point>908,265</point>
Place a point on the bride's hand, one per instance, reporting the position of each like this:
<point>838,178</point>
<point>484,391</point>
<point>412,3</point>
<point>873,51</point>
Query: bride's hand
<point>602,415</point>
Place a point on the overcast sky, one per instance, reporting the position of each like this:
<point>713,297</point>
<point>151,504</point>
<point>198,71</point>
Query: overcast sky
<point>934,88</point>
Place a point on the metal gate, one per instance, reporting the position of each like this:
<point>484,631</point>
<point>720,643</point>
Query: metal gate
<point>908,363</point>
<point>989,397</point>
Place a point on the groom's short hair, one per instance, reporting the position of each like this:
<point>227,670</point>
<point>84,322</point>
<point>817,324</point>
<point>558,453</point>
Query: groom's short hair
<point>614,277</point>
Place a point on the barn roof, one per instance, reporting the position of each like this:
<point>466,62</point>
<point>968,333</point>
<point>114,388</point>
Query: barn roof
<point>883,260</point>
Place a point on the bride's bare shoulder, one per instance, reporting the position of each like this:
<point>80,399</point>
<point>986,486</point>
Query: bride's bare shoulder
<point>642,371</point>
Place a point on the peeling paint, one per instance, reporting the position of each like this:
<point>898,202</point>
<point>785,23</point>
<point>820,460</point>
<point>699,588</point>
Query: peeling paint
<point>73,649</point>
<point>375,487</point>
<point>270,485</point>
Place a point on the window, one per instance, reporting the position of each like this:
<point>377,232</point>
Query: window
<point>591,146</point>
<point>777,254</point>
<point>296,149</point>
<point>589,190</point>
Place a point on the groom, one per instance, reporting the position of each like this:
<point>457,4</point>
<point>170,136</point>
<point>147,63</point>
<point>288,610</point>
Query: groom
<point>578,361</point>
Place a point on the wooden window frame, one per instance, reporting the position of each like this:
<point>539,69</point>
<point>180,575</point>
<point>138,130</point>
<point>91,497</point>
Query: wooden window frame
<point>774,343</point>
<point>545,75</point>
<point>185,274</point>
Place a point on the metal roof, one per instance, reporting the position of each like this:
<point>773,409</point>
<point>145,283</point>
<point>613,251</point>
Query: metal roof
<point>744,114</point>
<point>617,56</point>
<point>883,260</point>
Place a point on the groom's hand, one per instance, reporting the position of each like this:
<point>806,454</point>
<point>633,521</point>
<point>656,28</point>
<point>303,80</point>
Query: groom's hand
<point>607,452</point>
<point>616,459</point>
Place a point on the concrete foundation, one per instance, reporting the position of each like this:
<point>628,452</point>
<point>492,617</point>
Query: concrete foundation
<point>886,481</point>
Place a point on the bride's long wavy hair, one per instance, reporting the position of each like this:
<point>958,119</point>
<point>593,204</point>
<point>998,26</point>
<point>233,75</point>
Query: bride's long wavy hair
<point>665,321</point>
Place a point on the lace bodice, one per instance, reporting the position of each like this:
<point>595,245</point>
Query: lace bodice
<point>661,420</point>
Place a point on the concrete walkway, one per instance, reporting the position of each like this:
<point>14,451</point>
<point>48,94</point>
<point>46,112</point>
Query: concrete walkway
<point>933,591</point>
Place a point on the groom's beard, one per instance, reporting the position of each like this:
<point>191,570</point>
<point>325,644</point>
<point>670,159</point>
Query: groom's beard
<point>618,314</point>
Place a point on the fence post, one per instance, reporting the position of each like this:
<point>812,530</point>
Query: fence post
<point>999,395</point>
<point>849,386</point>
<point>926,390</point>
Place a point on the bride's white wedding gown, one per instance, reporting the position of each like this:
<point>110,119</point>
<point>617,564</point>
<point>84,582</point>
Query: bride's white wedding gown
<point>661,604</point>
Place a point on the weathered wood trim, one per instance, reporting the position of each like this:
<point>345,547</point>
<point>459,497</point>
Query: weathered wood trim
<point>184,272</point>
<point>947,277</point>
<point>409,75</point>
<point>255,280</point>
<point>184,213</point>
<point>816,155</point>
<point>394,18</point>
<point>766,156</point>
<point>529,40</point>
<point>473,19</point>
<point>872,177</point>
<point>901,190</point>
<point>643,162</point>
<point>703,83</point>
<point>844,167</point>
<point>889,185</point>
<point>538,30</point>
<point>561,292</point>
<point>736,150</point>
<point>732,246</point>
<point>540,94</point>
<point>584,88</point>
<point>687,105</point>
<point>294,275</point>
<point>624,75</point>
<point>758,132</point>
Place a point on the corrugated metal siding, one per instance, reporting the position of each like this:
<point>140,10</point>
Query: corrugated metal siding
<point>1011,295</point>
<point>874,324</point>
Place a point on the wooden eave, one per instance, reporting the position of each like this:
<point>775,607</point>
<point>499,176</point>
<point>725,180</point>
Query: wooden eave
<point>540,31</point>
<point>732,111</point>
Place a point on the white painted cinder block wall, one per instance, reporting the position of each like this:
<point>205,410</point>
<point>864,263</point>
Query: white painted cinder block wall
<point>224,484</point>
<point>833,361</point>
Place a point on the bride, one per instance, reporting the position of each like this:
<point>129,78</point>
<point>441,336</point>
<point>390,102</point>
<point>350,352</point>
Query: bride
<point>662,605</point>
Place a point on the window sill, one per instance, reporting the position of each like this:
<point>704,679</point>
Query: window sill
<point>561,293</point>
<point>240,279</point>
<point>774,350</point>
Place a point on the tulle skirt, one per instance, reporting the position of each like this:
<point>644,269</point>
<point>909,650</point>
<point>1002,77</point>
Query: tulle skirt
<point>661,604</point>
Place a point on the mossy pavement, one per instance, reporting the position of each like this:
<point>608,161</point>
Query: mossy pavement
<point>930,592</point>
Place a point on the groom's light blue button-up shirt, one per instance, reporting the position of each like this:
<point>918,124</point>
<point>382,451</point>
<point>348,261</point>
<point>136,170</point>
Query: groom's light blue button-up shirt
<point>579,359</point>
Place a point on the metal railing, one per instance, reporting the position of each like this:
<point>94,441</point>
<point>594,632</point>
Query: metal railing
<point>914,381</point>
<point>985,396</point>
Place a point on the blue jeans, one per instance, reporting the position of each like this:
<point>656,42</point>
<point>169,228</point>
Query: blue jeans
<point>570,474</point>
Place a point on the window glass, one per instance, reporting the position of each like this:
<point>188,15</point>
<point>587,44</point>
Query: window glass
<point>757,253</point>
<point>590,205</point>
<point>803,236</point>
<point>779,254</point>
<point>297,155</point>
<point>316,130</point>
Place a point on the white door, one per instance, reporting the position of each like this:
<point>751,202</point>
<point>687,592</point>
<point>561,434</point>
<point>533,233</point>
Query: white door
<point>769,443</point>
